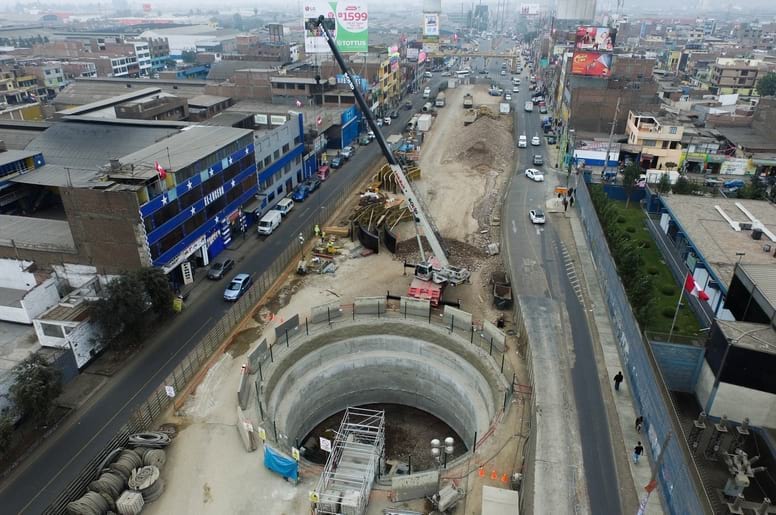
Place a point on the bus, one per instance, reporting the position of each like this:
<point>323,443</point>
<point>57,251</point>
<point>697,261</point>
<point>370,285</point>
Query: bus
<point>463,73</point>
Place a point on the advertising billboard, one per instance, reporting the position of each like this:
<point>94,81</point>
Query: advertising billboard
<point>594,64</point>
<point>430,25</point>
<point>346,20</point>
<point>432,6</point>
<point>394,57</point>
<point>412,53</point>
<point>598,39</point>
<point>529,9</point>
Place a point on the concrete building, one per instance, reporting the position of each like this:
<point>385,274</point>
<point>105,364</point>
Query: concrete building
<point>658,136</point>
<point>78,69</point>
<point>189,37</point>
<point>143,54</point>
<point>575,10</point>
<point>734,76</point>
<point>23,294</point>
<point>86,91</point>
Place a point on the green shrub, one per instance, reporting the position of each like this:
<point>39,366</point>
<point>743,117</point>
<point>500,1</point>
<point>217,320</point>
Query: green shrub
<point>668,290</point>
<point>630,229</point>
<point>668,313</point>
<point>651,270</point>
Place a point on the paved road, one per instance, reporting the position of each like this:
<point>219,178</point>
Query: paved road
<point>32,487</point>
<point>538,268</point>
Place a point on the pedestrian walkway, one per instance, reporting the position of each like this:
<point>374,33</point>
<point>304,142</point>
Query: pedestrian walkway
<point>624,405</point>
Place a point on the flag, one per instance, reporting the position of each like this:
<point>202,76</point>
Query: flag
<point>160,170</point>
<point>318,120</point>
<point>651,486</point>
<point>691,287</point>
<point>298,103</point>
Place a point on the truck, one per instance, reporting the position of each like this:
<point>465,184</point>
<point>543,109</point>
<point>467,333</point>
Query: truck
<point>654,175</point>
<point>440,99</point>
<point>528,107</point>
<point>468,101</point>
<point>426,92</point>
<point>434,271</point>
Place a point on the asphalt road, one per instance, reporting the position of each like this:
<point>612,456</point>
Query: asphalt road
<point>58,460</point>
<point>538,268</point>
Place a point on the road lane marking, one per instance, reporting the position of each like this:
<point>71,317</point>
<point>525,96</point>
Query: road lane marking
<point>514,227</point>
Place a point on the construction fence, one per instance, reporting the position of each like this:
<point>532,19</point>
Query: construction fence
<point>147,413</point>
<point>678,478</point>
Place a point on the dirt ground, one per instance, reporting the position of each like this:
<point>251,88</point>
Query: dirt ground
<point>464,170</point>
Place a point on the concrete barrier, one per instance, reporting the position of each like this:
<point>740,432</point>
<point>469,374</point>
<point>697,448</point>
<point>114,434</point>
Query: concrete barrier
<point>415,486</point>
<point>325,313</point>
<point>457,318</point>
<point>257,356</point>
<point>244,390</point>
<point>415,307</point>
<point>491,332</point>
<point>369,305</point>
<point>288,328</point>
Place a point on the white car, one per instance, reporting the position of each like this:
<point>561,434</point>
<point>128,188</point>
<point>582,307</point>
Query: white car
<point>387,120</point>
<point>535,141</point>
<point>508,97</point>
<point>536,216</point>
<point>515,90</point>
<point>521,142</point>
<point>534,174</point>
<point>379,122</point>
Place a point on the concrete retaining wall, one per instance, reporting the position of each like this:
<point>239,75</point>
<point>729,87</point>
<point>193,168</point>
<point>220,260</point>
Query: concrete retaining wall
<point>325,313</point>
<point>415,307</point>
<point>369,305</point>
<point>408,363</point>
<point>459,318</point>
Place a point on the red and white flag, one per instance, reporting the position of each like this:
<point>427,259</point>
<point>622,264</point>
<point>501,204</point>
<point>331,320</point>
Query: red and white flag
<point>318,120</point>
<point>160,170</point>
<point>691,287</point>
<point>298,103</point>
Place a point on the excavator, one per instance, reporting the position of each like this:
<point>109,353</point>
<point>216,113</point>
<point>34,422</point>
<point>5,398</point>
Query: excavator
<point>433,272</point>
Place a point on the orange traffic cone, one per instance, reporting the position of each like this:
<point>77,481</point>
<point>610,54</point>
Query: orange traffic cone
<point>504,478</point>
<point>481,472</point>
<point>493,475</point>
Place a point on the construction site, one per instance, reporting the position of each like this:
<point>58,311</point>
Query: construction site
<point>363,388</point>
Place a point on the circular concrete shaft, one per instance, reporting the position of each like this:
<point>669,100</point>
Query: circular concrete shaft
<point>399,362</point>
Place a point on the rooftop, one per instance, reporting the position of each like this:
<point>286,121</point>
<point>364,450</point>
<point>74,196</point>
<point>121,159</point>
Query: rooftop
<point>110,102</point>
<point>224,70</point>
<point>716,239</point>
<point>60,177</point>
<point>181,150</point>
<point>747,138</point>
<point>11,156</point>
<point>92,144</point>
<point>763,277</point>
<point>18,134</point>
<point>87,90</point>
<point>206,100</point>
<point>749,335</point>
<point>36,233</point>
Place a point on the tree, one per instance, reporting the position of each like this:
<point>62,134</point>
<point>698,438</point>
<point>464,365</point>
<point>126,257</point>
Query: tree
<point>6,433</point>
<point>642,297</point>
<point>629,177</point>
<point>132,301</point>
<point>682,186</point>
<point>664,186</point>
<point>766,86</point>
<point>36,385</point>
<point>671,165</point>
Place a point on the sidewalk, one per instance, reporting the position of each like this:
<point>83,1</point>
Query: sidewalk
<point>623,403</point>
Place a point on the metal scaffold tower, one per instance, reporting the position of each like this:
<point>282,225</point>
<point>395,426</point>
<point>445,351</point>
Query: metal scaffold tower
<point>354,463</point>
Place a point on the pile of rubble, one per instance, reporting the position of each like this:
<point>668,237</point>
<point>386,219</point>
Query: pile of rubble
<point>485,145</point>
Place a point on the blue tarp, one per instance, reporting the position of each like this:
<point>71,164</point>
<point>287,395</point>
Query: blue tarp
<point>280,463</point>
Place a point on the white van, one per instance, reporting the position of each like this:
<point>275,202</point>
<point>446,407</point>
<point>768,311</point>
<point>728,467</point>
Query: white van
<point>427,93</point>
<point>269,222</point>
<point>285,206</point>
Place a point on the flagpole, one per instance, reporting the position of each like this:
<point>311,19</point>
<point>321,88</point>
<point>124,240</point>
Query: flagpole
<point>676,314</point>
<point>651,485</point>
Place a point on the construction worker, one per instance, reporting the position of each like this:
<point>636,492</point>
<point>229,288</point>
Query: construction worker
<point>323,236</point>
<point>317,230</point>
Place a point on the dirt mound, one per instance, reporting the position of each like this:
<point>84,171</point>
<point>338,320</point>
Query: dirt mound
<point>487,144</point>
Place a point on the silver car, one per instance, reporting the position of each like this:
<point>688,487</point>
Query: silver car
<point>536,216</point>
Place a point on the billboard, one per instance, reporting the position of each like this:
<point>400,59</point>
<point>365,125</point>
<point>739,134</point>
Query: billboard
<point>412,53</point>
<point>529,9</point>
<point>594,64</point>
<point>432,6</point>
<point>346,20</point>
<point>394,57</point>
<point>598,39</point>
<point>430,25</point>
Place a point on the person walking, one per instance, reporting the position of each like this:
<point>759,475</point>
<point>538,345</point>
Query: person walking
<point>617,380</point>
<point>639,423</point>
<point>637,452</point>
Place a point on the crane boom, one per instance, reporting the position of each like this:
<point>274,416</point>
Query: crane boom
<point>401,179</point>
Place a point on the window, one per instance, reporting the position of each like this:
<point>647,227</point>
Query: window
<point>267,161</point>
<point>672,130</point>
<point>51,330</point>
<point>286,148</point>
<point>649,143</point>
<point>297,140</point>
<point>276,154</point>
<point>742,80</point>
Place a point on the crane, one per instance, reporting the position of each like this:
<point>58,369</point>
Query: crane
<point>437,268</point>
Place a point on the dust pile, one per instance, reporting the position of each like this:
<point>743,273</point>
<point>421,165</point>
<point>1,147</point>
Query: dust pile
<point>458,252</point>
<point>485,145</point>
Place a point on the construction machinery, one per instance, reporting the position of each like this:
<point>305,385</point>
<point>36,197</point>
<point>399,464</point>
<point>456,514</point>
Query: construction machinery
<point>434,271</point>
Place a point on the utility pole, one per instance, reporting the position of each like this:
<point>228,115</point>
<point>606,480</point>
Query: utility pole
<point>611,136</point>
<point>653,480</point>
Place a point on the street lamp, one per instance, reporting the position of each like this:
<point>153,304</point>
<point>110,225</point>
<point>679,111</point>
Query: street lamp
<point>437,450</point>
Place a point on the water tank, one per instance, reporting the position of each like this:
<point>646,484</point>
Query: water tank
<point>757,234</point>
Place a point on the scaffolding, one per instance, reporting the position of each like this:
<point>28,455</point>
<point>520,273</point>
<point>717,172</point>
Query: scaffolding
<point>354,463</point>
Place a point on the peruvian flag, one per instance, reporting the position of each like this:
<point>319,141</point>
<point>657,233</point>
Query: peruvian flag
<point>298,103</point>
<point>691,287</point>
<point>160,170</point>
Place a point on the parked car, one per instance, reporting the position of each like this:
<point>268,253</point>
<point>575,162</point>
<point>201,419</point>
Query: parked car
<point>534,174</point>
<point>536,216</point>
<point>336,162</point>
<point>551,139</point>
<point>543,109</point>
<point>538,160</point>
<point>300,193</point>
<point>348,152</point>
<point>732,185</point>
<point>535,141</point>
<point>379,122</point>
<point>508,97</point>
<point>387,120</point>
<point>712,183</point>
<point>323,173</point>
<point>269,222</point>
<point>237,287</point>
<point>408,105</point>
<point>364,140</point>
<point>312,183</point>
<point>285,205</point>
<point>220,268</point>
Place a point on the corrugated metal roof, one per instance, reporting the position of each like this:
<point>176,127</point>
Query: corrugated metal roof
<point>92,145</point>
<point>85,91</point>
<point>758,337</point>
<point>224,70</point>
<point>763,277</point>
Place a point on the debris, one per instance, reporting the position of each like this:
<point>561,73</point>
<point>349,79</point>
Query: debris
<point>333,292</point>
<point>492,249</point>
